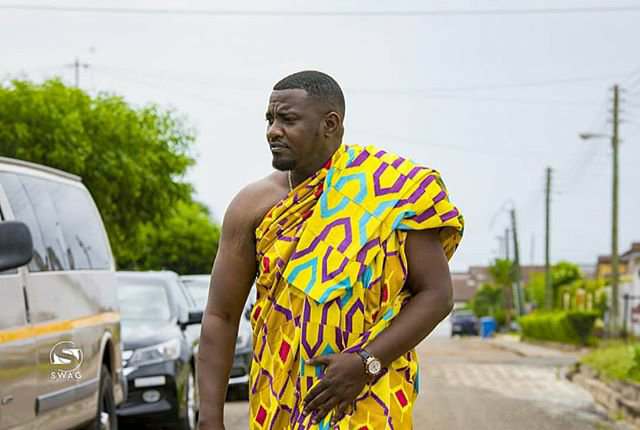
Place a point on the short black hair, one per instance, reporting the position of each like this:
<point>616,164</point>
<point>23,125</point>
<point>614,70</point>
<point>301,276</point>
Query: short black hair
<point>316,84</point>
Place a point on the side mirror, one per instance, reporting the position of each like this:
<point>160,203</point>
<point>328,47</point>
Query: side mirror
<point>195,317</point>
<point>16,245</point>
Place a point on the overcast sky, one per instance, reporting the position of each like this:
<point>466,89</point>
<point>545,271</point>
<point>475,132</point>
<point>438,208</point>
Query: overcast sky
<point>489,99</point>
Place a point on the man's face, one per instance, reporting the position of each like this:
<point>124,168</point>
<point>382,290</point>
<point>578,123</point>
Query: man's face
<point>293,130</point>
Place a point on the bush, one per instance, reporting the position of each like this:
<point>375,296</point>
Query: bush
<point>574,327</point>
<point>616,361</point>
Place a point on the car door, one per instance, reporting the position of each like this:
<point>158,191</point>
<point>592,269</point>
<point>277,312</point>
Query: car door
<point>64,311</point>
<point>17,344</point>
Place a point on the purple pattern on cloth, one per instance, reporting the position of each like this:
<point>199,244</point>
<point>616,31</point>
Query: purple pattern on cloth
<point>362,254</point>
<point>398,162</point>
<point>286,312</point>
<point>424,215</point>
<point>323,235</point>
<point>359,159</point>
<point>381,191</point>
<point>326,275</point>
<point>451,214</point>
<point>357,306</point>
<point>384,408</point>
<point>439,197</point>
<point>380,153</point>
<point>419,192</point>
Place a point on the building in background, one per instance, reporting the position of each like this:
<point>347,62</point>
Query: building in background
<point>603,268</point>
<point>630,288</point>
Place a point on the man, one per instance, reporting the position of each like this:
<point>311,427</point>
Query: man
<point>348,248</point>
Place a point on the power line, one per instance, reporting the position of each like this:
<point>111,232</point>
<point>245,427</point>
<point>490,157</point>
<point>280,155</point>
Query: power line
<point>490,86</point>
<point>402,92</point>
<point>551,82</point>
<point>546,102</point>
<point>434,92</point>
<point>320,13</point>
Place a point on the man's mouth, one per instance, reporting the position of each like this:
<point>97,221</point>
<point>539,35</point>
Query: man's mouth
<point>277,147</point>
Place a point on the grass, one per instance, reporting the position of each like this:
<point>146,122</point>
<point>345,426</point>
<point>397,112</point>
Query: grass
<point>615,361</point>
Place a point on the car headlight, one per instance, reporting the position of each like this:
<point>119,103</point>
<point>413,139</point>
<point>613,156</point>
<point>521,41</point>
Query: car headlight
<point>165,351</point>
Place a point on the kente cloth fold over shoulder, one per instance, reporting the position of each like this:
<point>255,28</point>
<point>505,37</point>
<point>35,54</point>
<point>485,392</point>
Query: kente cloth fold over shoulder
<point>367,194</point>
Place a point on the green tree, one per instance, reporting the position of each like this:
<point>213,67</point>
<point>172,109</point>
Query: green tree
<point>564,273</point>
<point>502,273</point>
<point>132,160</point>
<point>535,290</point>
<point>186,242</point>
<point>486,301</point>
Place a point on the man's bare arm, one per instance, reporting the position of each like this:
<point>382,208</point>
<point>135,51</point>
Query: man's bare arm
<point>233,274</point>
<point>430,282</point>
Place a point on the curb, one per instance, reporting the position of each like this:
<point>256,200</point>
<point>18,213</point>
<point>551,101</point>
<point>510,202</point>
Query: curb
<point>617,397</point>
<point>526,349</point>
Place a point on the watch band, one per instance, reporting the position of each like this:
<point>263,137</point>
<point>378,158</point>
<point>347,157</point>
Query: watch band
<point>364,355</point>
<point>367,360</point>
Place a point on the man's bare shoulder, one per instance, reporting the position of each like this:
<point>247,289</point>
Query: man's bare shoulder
<point>253,202</point>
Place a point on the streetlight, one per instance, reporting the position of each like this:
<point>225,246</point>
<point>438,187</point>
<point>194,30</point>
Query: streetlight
<point>615,267</point>
<point>587,136</point>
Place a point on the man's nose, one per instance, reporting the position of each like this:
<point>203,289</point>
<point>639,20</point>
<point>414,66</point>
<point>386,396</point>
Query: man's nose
<point>274,132</point>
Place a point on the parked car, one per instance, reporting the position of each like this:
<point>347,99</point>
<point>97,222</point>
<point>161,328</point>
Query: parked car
<point>198,287</point>
<point>464,322</point>
<point>160,350</point>
<point>60,346</point>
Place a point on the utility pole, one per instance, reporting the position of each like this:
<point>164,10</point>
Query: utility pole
<point>548,287</point>
<point>532,258</point>
<point>507,254</point>
<point>615,263</point>
<point>517,276</point>
<point>77,65</point>
<point>614,314</point>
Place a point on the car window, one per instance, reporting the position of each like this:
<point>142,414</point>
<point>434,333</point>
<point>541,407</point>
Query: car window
<point>23,211</point>
<point>144,301</point>
<point>199,292</point>
<point>69,226</point>
<point>39,195</point>
<point>182,296</point>
<point>82,228</point>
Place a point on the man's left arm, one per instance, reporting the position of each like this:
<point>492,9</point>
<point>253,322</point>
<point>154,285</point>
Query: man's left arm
<point>430,283</point>
<point>432,299</point>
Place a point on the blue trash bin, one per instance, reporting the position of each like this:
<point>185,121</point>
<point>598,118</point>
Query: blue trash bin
<point>487,327</point>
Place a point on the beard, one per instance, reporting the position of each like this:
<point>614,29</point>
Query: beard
<point>283,164</point>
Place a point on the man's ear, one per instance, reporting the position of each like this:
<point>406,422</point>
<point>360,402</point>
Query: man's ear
<point>332,124</point>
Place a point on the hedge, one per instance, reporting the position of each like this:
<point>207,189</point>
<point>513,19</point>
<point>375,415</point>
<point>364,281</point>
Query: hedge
<point>574,327</point>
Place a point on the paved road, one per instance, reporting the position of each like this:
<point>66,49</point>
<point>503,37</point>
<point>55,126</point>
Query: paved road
<point>469,384</point>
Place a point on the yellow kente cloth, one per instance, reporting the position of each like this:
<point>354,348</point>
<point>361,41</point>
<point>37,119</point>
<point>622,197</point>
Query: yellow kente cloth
<point>332,272</point>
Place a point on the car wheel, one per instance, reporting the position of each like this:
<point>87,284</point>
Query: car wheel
<point>188,422</point>
<point>106,418</point>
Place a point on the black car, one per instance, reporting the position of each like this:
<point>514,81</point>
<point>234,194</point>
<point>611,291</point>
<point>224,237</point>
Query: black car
<point>198,288</point>
<point>464,322</point>
<point>160,339</point>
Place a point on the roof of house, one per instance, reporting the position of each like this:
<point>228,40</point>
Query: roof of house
<point>635,249</point>
<point>463,290</point>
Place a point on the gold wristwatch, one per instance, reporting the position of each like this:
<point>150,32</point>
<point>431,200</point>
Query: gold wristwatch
<point>372,366</point>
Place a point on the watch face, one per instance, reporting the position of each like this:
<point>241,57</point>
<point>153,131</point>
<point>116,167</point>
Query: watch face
<point>374,367</point>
